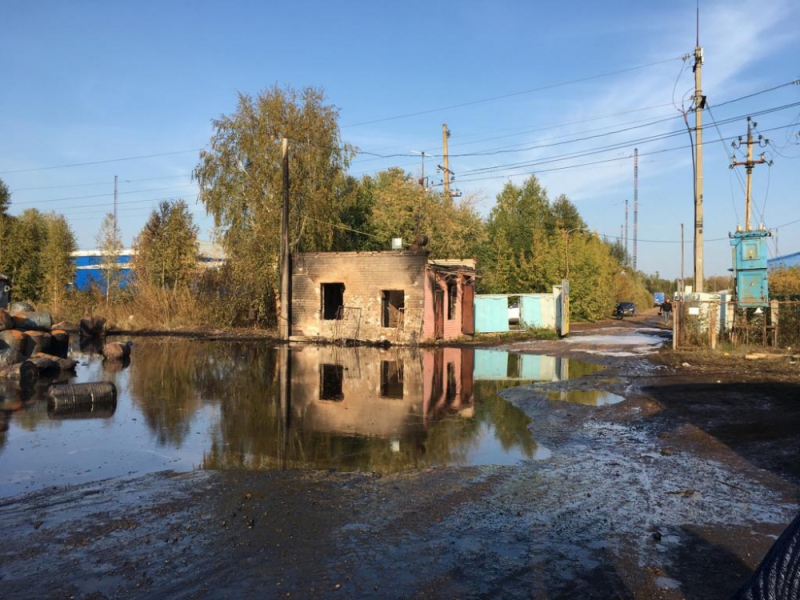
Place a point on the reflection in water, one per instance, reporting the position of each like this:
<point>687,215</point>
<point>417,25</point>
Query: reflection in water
<point>187,404</point>
<point>589,397</point>
<point>372,409</point>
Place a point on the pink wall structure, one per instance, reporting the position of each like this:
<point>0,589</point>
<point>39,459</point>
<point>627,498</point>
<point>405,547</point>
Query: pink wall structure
<point>436,279</point>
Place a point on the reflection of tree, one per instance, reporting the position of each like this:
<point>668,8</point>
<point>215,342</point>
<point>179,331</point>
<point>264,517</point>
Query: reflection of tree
<point>172,379</point>
<point>510,423</point>
<point>581,368</point>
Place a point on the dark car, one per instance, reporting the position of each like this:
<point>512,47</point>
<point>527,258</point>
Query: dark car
<point>625,309</point>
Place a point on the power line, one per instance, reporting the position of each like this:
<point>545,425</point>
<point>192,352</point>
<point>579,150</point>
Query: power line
<point>99,183</point>
<point>101,162</point>
<point>511,95</point>
<point>403,154</point>
<point>32,202</point>
<point>617,158</point>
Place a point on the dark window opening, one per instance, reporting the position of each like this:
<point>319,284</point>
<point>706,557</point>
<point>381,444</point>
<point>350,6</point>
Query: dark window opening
<point>332,301</point>
<point>392,307</point>
<point>452,296</point>
<point>391,379</point>
<point>330,382</point>
<point>451,382</point>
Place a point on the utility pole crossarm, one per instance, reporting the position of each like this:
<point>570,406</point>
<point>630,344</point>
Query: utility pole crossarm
<point>748,165</point>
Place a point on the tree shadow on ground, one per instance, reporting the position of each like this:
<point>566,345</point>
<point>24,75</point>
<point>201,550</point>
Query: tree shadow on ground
<point>704,569</point>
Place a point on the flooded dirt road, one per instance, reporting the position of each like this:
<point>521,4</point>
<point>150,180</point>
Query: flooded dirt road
<point>608,469</point>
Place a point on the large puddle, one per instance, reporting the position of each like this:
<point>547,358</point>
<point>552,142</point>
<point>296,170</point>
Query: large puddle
<point>187,405</point>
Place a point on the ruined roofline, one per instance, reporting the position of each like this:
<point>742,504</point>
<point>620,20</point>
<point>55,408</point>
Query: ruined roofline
<point>365,253</point>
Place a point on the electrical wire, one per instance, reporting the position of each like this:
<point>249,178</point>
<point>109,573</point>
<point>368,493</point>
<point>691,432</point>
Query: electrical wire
<point>367,153</point>
<point>101,162</point>
<point>626,157</point>
<point>511,95</point>
<point>99,183</point>
<point>107,195</point>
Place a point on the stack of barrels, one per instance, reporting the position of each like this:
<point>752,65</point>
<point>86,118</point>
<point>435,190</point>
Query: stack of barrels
<point>30,346</point>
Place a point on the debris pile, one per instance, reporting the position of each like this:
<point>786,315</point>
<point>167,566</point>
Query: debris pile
<point>30,346</point>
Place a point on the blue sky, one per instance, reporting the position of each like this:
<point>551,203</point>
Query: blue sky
<point>517,83</point>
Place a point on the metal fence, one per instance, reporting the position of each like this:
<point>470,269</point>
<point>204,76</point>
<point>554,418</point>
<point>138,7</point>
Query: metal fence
<point>709,323</point>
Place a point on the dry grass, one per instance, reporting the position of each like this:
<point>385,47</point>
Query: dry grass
<point>142,308</point>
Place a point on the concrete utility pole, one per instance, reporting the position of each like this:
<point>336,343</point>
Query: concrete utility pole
<point>626,228</point>
<point>749,164</point>
<point>699,104</point>
<point>635,203</point>
<point>446,165</point>
<point>115,200</point>
<point>284,326</point>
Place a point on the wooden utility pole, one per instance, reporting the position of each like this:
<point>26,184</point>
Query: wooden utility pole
<point>446,166</point>
<point>748,165</point>
<point>682,279</point>
<point>699,104</point>
<point>115,201</point>
<point>284,325</point>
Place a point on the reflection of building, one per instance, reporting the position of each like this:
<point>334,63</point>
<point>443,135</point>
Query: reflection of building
<point>396,296</point>
<point>504,366</point>
<point>378,393</point>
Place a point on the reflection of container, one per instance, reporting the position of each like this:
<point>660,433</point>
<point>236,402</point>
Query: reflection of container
<point>5,291</point>
<point>72,411</point>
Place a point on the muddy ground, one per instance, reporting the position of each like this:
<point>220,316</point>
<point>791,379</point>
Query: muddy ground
<point>677,492</point>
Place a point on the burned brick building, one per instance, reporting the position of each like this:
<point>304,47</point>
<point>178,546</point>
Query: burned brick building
<point>396,296</point>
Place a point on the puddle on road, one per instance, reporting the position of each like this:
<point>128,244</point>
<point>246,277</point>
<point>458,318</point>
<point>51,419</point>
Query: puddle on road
<point>588,397</point>
<point>187,405</point>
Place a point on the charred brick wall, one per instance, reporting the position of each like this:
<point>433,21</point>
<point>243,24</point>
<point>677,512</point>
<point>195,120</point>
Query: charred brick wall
<point>364,275</point>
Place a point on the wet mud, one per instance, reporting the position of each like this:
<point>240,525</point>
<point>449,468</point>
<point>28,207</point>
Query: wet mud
<point>677,491</point>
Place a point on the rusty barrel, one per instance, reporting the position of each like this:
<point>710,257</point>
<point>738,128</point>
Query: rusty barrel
<point>117,350</point>
<point>32,320</point>
<point>82,394</point>
<point>6,320</point>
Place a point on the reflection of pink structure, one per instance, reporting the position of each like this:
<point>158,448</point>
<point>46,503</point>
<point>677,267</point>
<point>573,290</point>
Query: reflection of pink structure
<point>378,392</point>
<point>447,382</point>
<point>397,296</point>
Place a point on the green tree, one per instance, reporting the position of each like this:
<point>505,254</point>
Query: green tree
<point>520,222</point>
<point>400,208</point>
<point>566,215</point>
<point>5,224</point>
<point>166,248</point>
<point>23,240</point>
<point>109,243</point>
<point>5,199</point>
<point>784,283</point>
<point>56,257</point>
<point>240,183</point>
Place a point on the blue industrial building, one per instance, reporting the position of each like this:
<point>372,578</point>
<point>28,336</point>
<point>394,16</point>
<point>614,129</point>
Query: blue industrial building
<point>87,263</point>
<point>787,260</point>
